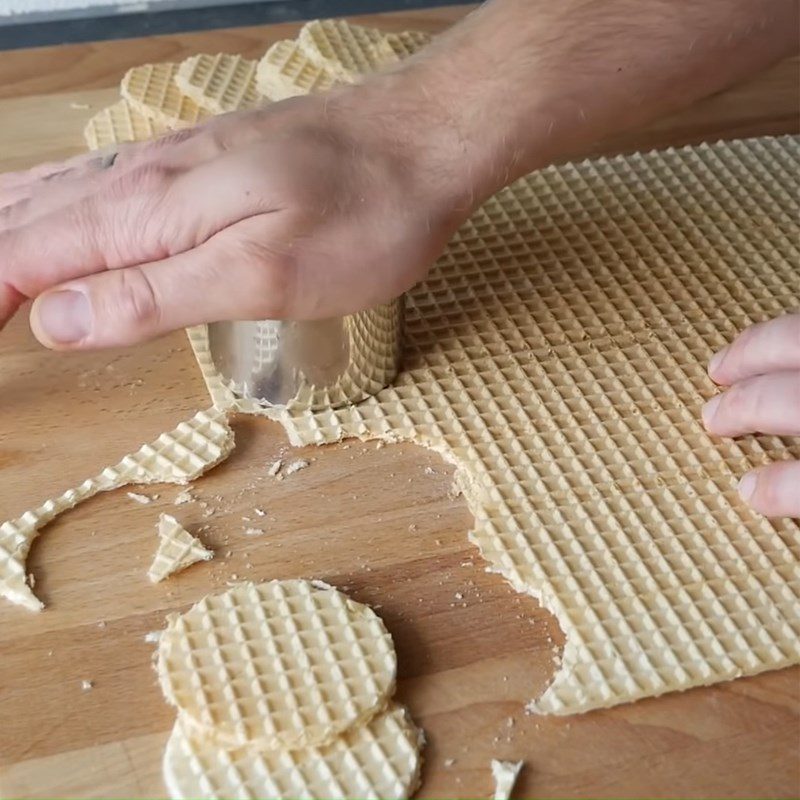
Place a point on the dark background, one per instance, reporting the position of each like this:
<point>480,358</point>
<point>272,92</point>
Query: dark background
<point>93,25</point>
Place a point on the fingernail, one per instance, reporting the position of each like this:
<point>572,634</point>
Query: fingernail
<point>716,361</point>
<point>747,486</point>
<point>65,317</point>
<point>710,409</point>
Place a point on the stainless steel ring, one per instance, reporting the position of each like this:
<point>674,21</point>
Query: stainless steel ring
<point>316,364</point>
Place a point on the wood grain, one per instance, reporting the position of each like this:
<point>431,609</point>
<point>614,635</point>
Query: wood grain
<point>369,519</point>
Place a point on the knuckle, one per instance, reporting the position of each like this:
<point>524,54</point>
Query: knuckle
<point>736,409</point>
<point>274,276</point>
<point>134,300</point>
<point>151,178</point>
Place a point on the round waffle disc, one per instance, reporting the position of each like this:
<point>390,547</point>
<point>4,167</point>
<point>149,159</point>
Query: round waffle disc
<point>284,664</point>
<point>377,760</point>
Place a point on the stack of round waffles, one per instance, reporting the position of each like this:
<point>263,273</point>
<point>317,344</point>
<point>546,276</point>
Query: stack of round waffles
<point>283,689</point>
<point>156,98</point>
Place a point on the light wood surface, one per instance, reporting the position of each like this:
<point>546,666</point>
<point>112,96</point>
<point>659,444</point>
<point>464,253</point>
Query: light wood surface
<point>368,519</point>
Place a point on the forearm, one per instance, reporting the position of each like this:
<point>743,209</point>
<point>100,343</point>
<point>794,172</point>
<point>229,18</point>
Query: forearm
<point>521,83</point>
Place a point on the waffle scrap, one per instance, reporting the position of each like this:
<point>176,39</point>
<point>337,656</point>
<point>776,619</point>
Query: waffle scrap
<point>505,774</point>
<point>177,549</point>
<point>179,457</point>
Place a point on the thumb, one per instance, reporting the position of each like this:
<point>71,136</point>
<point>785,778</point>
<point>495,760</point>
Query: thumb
<point>221,279</point>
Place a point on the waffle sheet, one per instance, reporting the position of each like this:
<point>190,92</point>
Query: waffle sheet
<point>557,355</point>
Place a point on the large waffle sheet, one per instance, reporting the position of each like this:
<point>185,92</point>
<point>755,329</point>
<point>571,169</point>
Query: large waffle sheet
<point>557,355</point>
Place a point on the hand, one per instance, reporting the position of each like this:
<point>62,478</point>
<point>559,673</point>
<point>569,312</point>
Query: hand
<point>762,369</point>
<point>314,207</point>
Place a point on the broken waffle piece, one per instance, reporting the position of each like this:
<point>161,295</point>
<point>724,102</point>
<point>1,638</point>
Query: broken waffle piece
<point>278,665</point>
<point>287,71</point>
<point>178,456</point>
<point>151,89</point>
<point>219,83</point>
<point>121,123</point>
<point>177,549</point>
<point>505,774</point>
<point>379,759</point>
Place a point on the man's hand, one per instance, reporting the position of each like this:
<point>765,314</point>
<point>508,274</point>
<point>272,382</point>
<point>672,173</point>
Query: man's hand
<point>311,208</point>
<point>762,369</point>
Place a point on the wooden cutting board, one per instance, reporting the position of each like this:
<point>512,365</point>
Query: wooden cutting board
<point>381,522</point>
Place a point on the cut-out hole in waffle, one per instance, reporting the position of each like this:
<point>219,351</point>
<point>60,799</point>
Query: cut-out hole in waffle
<point>284,664</point>
<point>557,354</point>
<point>379,759</point>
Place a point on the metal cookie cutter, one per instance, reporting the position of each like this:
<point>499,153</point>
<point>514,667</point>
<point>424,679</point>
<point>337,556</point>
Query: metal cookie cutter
<point>310,365</point>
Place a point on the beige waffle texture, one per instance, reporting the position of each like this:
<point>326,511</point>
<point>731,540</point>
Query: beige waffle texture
<point>557,355</point>
<point>177,549</point>
<point>286,71</point>
<point>219,83</point>
<point>345,50</point>
<point>179,456</point>
<point>284,664</point>
<point>395,47</point>
<point>152,91</point>
<point>379,759</point>
<point>504,774</point>
<point>118,124</point>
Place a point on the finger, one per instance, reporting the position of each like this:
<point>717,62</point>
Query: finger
<point>766,347</point>
<point>774,490</point>
<point>25,203</point>
<point>145,214</point>
<point>10,301</point>
<point>764,404</point>
<point>222,279</point>
<point>20,177</point>
<point>48,187</point>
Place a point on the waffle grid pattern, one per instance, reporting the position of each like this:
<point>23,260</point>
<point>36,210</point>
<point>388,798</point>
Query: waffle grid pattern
<point>120,123</point>
<point>152,91</point>
<point>219,83</point>
<point>395,47</point>
<point>557,355</point>
<point>286,71</point>
<point>345,50</point>
<point>379,759</point>
<point>285,664</point>
<point>177,549</point>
